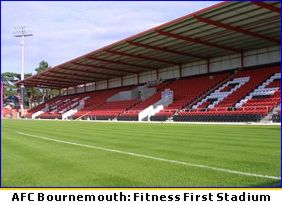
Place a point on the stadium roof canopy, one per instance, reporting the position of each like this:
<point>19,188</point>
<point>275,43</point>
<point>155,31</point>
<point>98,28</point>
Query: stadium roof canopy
<point>222,29</point>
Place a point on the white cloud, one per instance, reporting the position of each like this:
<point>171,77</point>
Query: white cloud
<point>65,30</point>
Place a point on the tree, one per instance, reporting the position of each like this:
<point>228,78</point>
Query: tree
<point>9,79</point>
<point>33,95</point>
<point>43,65</point>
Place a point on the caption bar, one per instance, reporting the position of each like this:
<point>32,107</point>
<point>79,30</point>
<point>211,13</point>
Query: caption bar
<point>122,197</point>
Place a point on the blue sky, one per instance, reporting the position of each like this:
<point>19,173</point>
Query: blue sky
<point>65,30</point>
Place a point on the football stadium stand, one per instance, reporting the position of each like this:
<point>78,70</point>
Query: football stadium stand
<point>232,96</point>
<point>219,64</point>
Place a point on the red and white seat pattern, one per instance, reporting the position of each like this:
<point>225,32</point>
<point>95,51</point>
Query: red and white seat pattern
<point>221,93</point>
<point>245,99</point>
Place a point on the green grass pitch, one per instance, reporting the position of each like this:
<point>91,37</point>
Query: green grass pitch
<point>74,153</point>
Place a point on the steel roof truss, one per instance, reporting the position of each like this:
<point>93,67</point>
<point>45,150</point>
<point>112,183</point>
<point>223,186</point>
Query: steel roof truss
<point>141,57</point>
<point>197,41</point>
<point>120,63</point>
<point>56,80</point>
<point>165,50</point>
<point>69,78</point>
<point>236,29</point>
<point>48,82</point>
<point>267,6</point>
<point>98,67</point>
<point>82,77</point>
<point>83,71</point>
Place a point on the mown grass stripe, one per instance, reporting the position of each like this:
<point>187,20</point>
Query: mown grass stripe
<point>156,158</point>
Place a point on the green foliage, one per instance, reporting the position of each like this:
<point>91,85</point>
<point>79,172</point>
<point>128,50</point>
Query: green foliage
<point>31,93</point>
<point>43,65</point>
<point>8,79</point>
<point>9,76</point>
<point>29,161</point>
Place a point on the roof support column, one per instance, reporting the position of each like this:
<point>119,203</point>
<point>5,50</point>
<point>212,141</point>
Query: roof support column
<point>84,86</point>
<point>107,84</point>
<point>137,78</point>
<point>242,59</point>
<point>157,74</point>
<point>180,71</point>
<point>208,65</point>
<point>121,81</point>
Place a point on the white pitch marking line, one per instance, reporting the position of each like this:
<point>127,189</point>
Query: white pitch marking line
<point>156,158</point>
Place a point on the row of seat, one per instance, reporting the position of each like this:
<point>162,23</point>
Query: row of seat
<point>111,109</point>
<point>219,118</point>
<point>188,89</point>
<point>260,105</point>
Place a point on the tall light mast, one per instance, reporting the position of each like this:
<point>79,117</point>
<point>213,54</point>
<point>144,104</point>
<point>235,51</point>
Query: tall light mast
<point>22,33</point>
